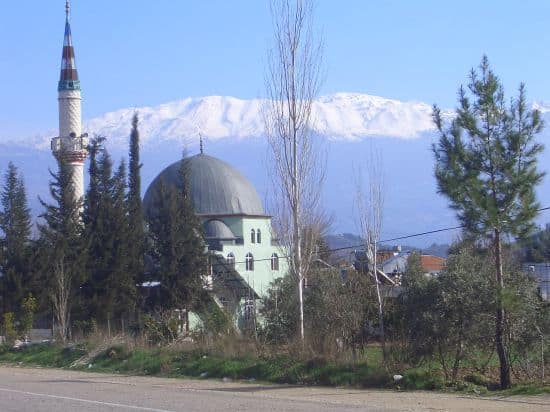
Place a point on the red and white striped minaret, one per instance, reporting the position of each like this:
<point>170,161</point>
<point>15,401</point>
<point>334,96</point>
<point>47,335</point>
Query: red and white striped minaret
<point>71,145</point>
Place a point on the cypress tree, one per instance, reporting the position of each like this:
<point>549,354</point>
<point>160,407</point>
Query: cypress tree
<point>15,231</point>
<point>91,202</point>
<point>124,283</point>
<point>90,219</point>
<point>178,248</point>
<point>136,234</point>
<point>486,165</point>
<point>109,292</point>
<point>62,249</point>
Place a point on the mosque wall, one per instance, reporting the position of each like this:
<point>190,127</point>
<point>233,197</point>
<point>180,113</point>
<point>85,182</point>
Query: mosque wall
<point>262,275</point>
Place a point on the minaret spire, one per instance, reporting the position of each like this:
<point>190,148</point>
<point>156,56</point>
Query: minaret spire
<point>71,144</point>
<point>201,143</point>
<point>68,78</point>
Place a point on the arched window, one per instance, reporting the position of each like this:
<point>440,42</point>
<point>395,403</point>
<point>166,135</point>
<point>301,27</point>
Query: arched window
<point>258,236</point>
<point>252,236</point>
<point>274,261</point>
<point>249,260</point>
<point>231,259</point>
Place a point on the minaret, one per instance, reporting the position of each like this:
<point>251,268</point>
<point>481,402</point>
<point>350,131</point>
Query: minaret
<point>70,146</point>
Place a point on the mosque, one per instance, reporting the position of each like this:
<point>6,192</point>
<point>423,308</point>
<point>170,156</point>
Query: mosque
<point>244,255</point>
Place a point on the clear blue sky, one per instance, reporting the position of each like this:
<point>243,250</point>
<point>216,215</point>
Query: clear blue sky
<point>145,52</point>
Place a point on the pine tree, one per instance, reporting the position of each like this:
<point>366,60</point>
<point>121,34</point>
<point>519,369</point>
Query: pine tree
<point>15,231</point>
<point>136,233</point>
<point>177,246</point>
<point>486,164</point>
<point>62,249</point>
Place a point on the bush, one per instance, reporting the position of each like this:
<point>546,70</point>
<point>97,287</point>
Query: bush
<point>28,306</point>
<point>8,328</point>
<point>160,329</point>
<point>422,379</point>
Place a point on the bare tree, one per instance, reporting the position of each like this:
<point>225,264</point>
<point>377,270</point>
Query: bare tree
<point>369,183</point>
<point>60,295</point>
<point>292,83</point>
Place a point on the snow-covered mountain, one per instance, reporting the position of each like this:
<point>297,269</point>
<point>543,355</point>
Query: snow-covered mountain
<point>348,124</point>
<point>341,116</point>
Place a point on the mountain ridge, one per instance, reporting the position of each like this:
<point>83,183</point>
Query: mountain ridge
<point>338,116</point>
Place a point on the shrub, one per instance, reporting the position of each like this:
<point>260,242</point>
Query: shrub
<point>8,328</point>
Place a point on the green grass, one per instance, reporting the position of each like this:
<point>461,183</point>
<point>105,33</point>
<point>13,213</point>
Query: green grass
<point>276,368</point>
<point>43,355</point>
<point>525,389</point>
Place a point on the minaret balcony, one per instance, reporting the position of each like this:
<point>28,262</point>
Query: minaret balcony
<point>71,145</point>
<point>68,85</point>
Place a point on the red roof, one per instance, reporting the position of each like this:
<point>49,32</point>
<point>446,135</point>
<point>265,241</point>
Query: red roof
<point>432,263</point>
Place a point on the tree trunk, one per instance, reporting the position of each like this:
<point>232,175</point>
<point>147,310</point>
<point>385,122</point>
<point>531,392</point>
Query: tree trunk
<point>296,218</point>
<point>380,304</point>
<point>505,382</point>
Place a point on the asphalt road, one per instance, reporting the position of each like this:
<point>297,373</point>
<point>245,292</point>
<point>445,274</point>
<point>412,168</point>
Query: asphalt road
<point>41,390</point>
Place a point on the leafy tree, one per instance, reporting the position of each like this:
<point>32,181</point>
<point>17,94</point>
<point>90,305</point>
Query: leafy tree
<point>15,231</point>
<point>279,309</point>
<point>178,248</point>
<point>527,321</point>
<point>136,233</point>
<point>462,329</point>
<point>486,164</point>
<point>414,316</point>
<point>342,311</point>
<point>62,248</point>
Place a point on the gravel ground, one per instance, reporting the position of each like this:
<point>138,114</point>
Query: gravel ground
<point>40,390</point>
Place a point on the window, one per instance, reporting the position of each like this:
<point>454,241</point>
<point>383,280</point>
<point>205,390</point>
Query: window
<point>252,236</point>
<point>274,261</point>
<point>249,260</point>
<point>231,259</point>
<point>258,236</point>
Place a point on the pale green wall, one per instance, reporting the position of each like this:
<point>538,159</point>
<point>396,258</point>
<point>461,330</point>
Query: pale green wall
<point>262,275</point>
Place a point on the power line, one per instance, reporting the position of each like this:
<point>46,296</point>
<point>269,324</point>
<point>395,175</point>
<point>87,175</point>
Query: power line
<point>429,232</point>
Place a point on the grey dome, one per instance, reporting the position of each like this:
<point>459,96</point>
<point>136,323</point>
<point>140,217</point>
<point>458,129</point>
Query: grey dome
<point>216,229</point>
<point>216,187</point>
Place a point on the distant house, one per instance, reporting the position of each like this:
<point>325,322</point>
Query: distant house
<point>393,264</point>
<point>432,265</point>
<point>541,273</point>
<point>397,265</point>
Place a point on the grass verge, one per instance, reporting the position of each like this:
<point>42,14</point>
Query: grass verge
<point>276,368</point>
